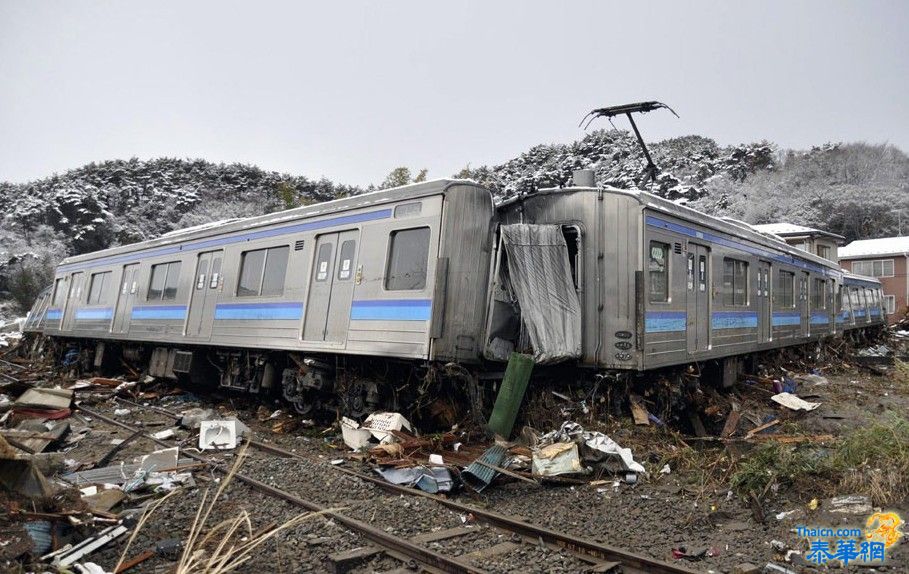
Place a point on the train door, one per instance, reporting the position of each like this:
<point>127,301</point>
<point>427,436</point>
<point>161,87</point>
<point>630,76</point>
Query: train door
<point>72,300</point>
<point>698,301</point>
<point>129,286</point>
<point>765,312</point>
<point>204,296</point>
<point>804,302</point>
<point>331,287</point>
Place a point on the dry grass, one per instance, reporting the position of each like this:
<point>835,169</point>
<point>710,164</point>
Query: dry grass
<point>873,460</point>
<point>226,545</point>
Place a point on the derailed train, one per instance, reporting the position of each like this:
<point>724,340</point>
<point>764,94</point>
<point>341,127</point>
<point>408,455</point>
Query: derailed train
<point>350,296</point>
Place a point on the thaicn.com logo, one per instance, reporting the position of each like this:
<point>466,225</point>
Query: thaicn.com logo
<point>854,545</point>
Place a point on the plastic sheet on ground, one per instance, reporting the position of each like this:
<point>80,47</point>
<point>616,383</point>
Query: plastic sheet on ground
<point>793,402</point>
<point>431,480</point>
<point>540,274</point>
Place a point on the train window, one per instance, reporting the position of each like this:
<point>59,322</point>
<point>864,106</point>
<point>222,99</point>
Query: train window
<point>262,272</point>
<point>75,287</point>
<point>202,272</point>
<point>215,273</point>
<point>98,287</point>
<point>854,299</point>
<point>786,290</point>
<point>251,265</point>
<point>345,267</point>
<point>735,282</point>
<point>691,271</point>
<point>58,292</point>
<point>164,280</point>
<point>173,278</point>
<point>659,272</point>
<point>408,255</point>
<point>818,301</point>
<point>408,209</point>
<point>323,259</point>
<point>275,271</point>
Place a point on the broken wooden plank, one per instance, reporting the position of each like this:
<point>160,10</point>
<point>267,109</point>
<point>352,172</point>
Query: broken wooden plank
<point>507,472</point>
<point>343,562</point>
<point>135,561</point>
<point>761,428</point>
<point>638,412</point>
<point>442,534</point>
<point>732,421</point>
<point>697,425</point>
<point>496,550</point>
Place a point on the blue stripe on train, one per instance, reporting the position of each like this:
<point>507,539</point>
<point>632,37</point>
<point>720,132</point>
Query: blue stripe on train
<point>820,319</point>
<point>284,311</point>
<point>859,313</point>
<point>102,314</point>
<point>391,310</point>
<point>53,314</point>
<point>734,320</point>
<point>216,242</point>
<point>159,312</point>
<point>665,321</point>
<point>786,318</point>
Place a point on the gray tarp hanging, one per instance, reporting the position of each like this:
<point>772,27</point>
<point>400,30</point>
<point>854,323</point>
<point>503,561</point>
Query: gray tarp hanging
<point>540,274</point>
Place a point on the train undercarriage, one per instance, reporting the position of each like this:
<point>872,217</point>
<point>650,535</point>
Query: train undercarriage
<point>436,395</point>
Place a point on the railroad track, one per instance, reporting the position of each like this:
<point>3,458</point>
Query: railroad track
<point>599,557</point>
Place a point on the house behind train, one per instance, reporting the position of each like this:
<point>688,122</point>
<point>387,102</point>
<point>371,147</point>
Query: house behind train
<point>821,243</point>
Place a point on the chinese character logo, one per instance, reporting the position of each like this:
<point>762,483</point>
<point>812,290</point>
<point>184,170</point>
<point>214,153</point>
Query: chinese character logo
<point>884,527</point>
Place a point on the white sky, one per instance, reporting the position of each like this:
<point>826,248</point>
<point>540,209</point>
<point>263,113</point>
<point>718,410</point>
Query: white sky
<point>349,90</point>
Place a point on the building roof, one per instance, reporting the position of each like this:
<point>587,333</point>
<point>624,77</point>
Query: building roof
<point>792,230</point>
<point>872,247</point>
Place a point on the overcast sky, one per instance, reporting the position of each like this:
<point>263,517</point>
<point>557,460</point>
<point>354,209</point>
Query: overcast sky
<point>350,90</point>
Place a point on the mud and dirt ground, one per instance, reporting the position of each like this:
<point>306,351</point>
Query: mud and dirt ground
<point>690,505</point>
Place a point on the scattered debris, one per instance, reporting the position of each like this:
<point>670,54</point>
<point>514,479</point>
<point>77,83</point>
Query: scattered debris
<point>851,504</point>
<point>431,480</point>
<point>793,402</point>
<point>557,458</point>
<point>221,434</point>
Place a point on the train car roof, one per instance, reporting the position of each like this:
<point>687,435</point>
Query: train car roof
<point>383,196</point>
<point>733,227</point>
<point>855,278</point>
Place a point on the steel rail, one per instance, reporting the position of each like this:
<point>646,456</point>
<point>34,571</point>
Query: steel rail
<point>577,545</point>
<point>433,560</point>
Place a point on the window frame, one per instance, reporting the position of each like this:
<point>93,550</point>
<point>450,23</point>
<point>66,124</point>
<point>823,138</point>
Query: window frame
<point>167,266</point>
<point>389,258</point>
<point>889,304</point>
<point>818,293</point>
<point>260,282</point>
<point>105,277</point>
<point>781,289</point>
<point>731,297</point>
<point>866,267</point>
<point>666,294</point>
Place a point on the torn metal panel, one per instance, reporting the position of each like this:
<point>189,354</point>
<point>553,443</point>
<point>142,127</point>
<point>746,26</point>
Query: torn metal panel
<point>539,272</point>
<point>478,476</point>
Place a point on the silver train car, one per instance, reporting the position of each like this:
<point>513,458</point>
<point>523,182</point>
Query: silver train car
<point>418,275</point>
